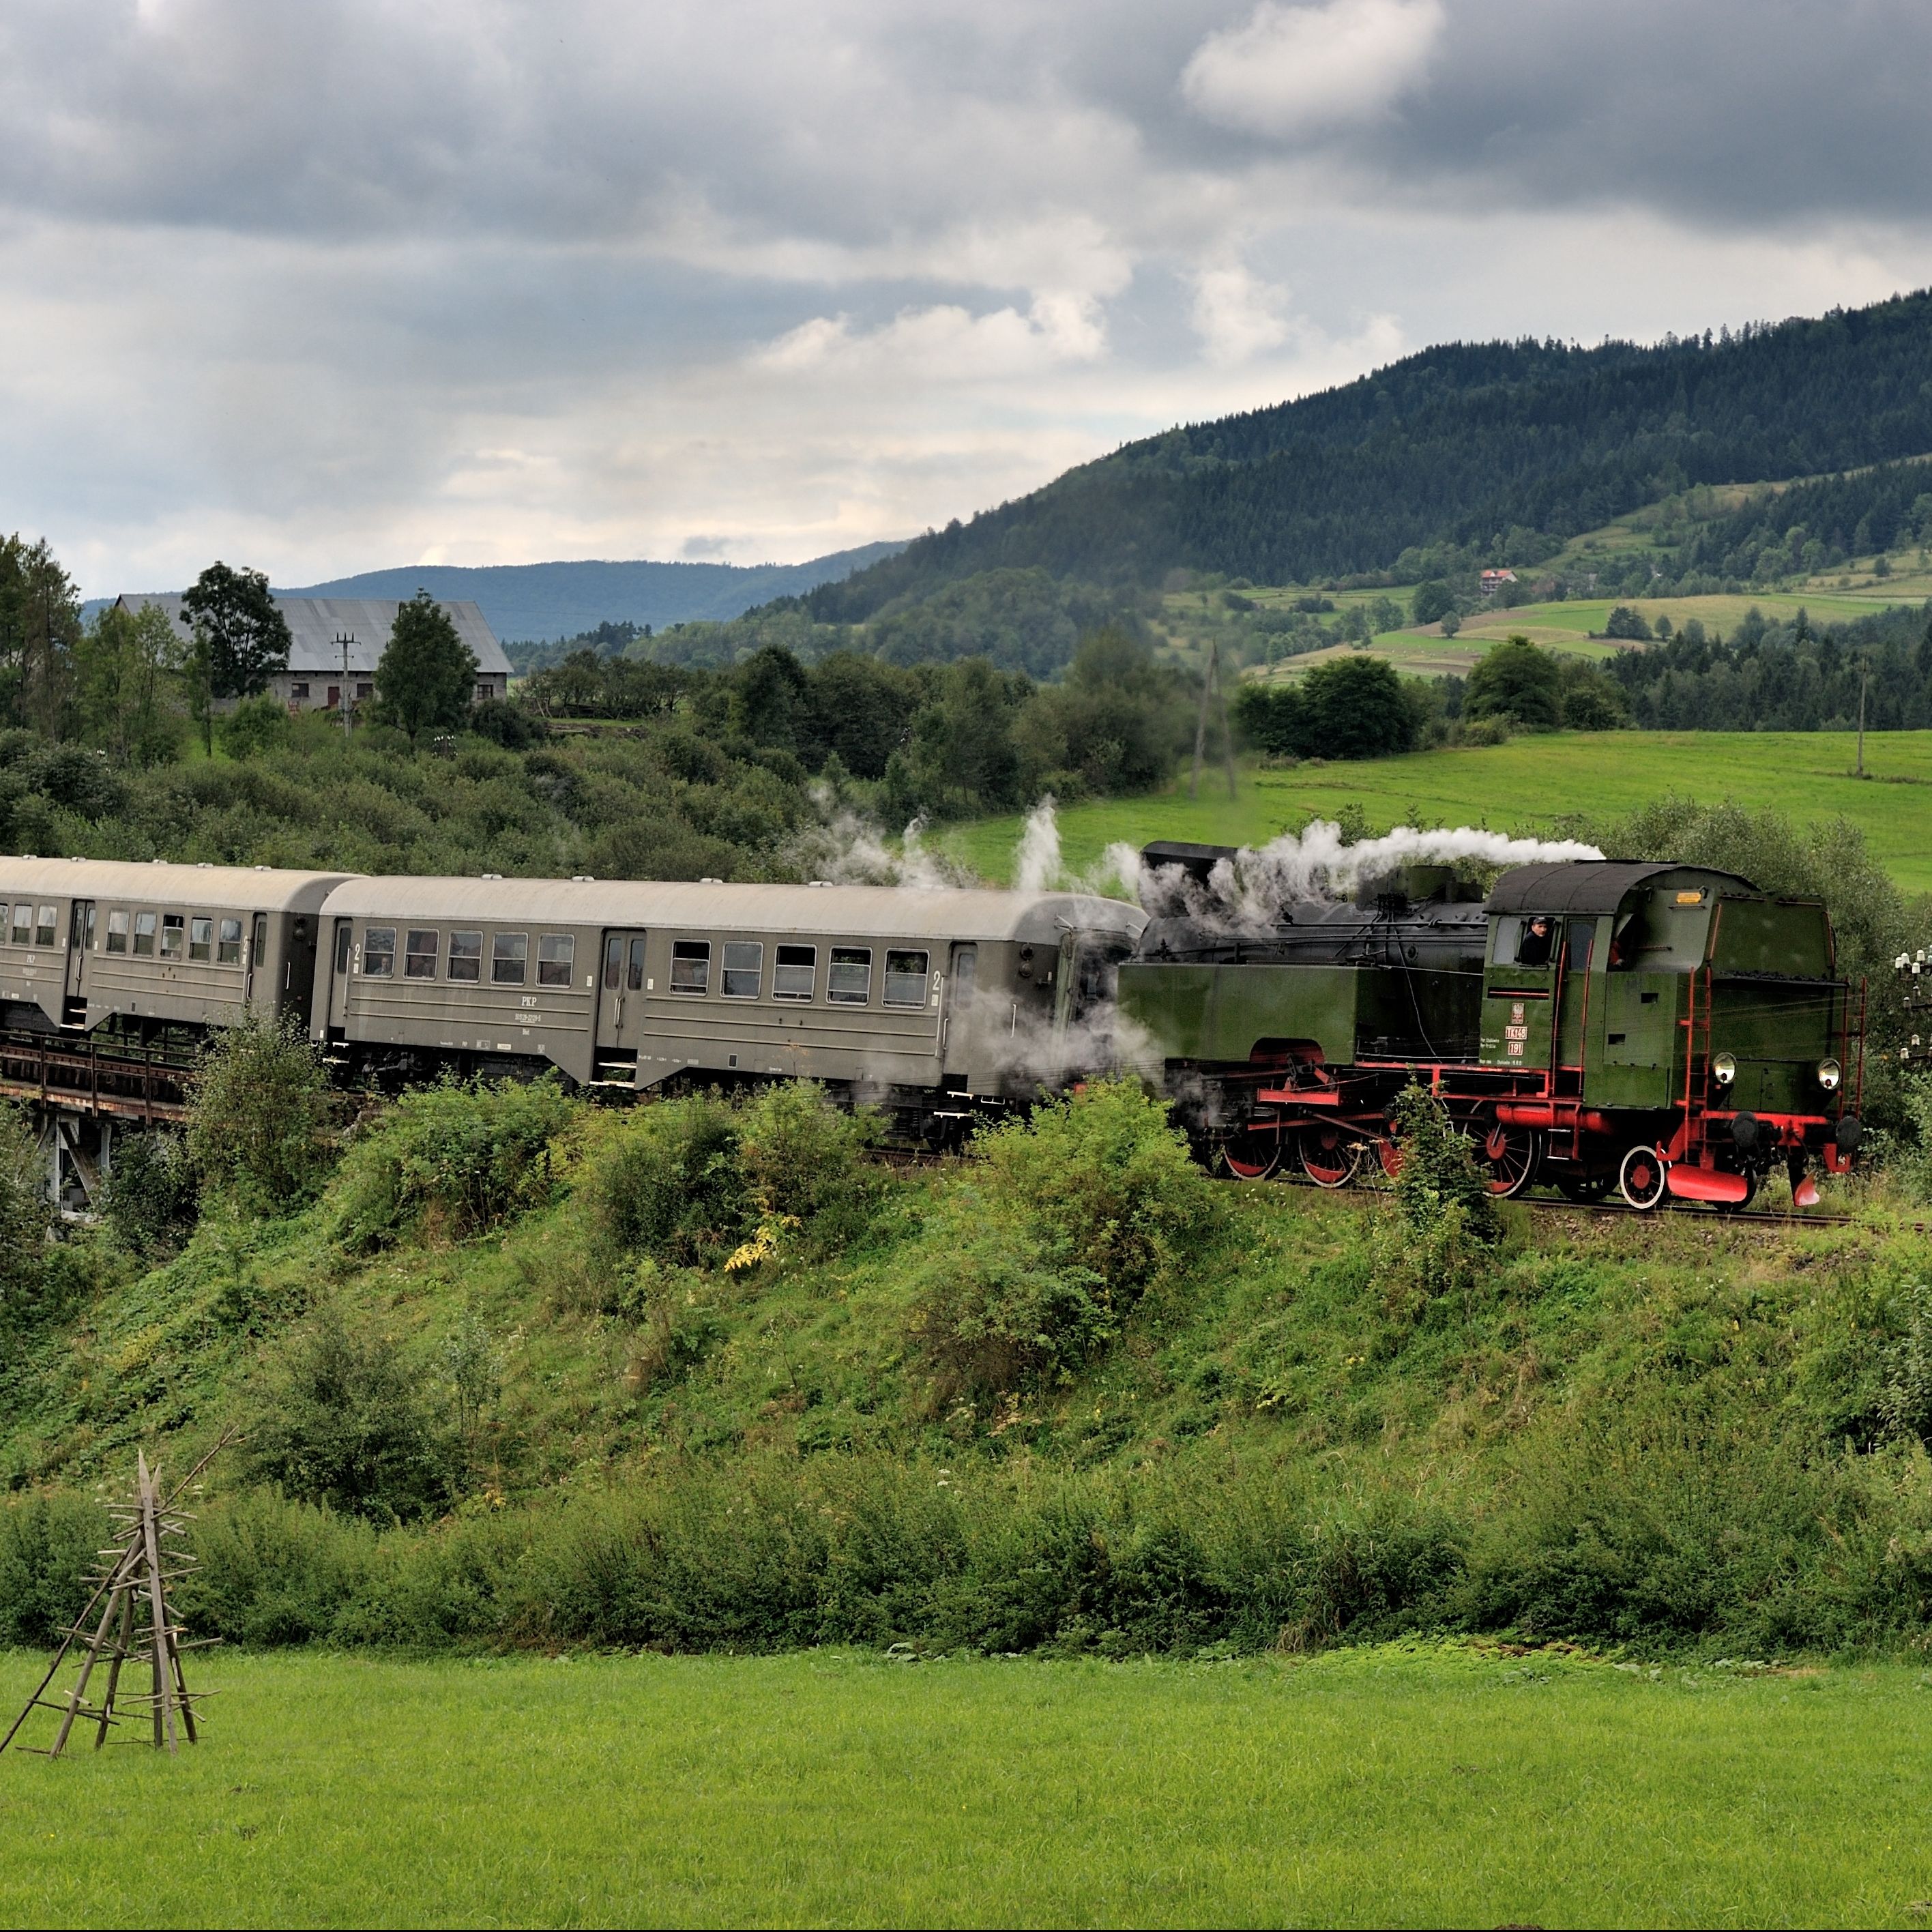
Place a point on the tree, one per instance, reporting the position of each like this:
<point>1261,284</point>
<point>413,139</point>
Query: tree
<point>428,674</point>
<point>127,669</point>
<point>241,637</point>
<point>1431,601</point>
<point>1451,623</point>
<point>1592,701</point>
<point>258,1116</point>
<point>1517,680</point>
<point>1354,708</point>
<point>1626,622</point>
<point>40,624</point>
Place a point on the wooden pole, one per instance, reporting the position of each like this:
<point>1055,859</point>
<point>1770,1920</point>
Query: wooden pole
<point>164,1706</point>
<point>1201,723</point>
<point>1864,679</point>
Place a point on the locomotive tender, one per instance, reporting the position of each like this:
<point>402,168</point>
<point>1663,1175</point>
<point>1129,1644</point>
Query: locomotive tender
<point>1663,1030</point>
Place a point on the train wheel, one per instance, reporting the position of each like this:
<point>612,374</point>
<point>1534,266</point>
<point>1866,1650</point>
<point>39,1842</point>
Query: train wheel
<point>1252,1155</point>
<point>1512,1154</point>
<point>1390,1157</point>
<point>1328,1156</point>
<point>1643,1178</point>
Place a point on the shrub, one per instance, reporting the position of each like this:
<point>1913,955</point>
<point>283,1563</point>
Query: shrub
<point>669,1184</point>
<point>342,1422</point>
<point>256,727</point>
<point>1447,1218</point>
<point>454,1159</point>
<point>151,1200</point>
<point>804,1159</point>
<point>258,1117</point>
<point>26,1215</point>
<point>48,1544</point>
<point>1064,1220</point>
<point>270,1571</point>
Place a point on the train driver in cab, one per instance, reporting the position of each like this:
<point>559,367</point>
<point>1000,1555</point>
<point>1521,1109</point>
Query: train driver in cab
<point>1533,948</point>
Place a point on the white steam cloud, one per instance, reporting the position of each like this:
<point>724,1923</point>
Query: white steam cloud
<point>845,849</point>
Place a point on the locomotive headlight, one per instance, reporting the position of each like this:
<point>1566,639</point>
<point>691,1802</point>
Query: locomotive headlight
<point>1724,1069</point>
<point>1829,1074</point>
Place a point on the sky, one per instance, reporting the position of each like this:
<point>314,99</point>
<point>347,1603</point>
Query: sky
<point>323,285</point>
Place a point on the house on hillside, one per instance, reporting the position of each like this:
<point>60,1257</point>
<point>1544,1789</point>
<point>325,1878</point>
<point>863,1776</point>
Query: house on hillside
<point>1493,581</point>
<point>322,629</point>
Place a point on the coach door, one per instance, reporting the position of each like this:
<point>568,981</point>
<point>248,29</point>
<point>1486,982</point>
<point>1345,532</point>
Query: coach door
<point>298,969</point>
<point>620,1007</point>
<point>338,978</point>
<point>957,1048</point>
<point>79,939</point>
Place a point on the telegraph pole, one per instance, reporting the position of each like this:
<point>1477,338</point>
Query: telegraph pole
<point>345,640</point>
<point>1864,679</point>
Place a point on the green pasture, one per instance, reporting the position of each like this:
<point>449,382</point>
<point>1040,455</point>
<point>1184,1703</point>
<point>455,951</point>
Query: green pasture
<point>1522,786</point>
<point>1411,1785</point>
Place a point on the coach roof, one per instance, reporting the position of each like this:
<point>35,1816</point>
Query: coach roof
<point>885,912</point>
<point>1592,885</point>
<point>237,888</point>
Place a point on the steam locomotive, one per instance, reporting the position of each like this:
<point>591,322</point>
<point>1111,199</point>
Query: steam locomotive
<point>1661,1031</point>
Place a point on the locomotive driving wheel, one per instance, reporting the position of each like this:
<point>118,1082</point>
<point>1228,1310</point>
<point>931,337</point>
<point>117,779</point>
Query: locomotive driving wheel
<point>1253,1154</point>
<point>1643,1178</point>
<point>1512,1155</point>
<point>1328,1156</point>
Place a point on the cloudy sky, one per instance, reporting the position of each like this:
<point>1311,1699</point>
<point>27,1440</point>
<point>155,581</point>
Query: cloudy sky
<point>325,285</point>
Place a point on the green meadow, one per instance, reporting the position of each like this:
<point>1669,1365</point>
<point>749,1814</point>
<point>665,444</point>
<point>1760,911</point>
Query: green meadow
<point>1527,785</point>
<point>1416,1784</point>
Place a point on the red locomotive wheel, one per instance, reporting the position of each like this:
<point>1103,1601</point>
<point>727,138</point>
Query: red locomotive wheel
<point>1252,1155</point>
<point>1643,1178</point>
<point>1514,1154</point>
<point>1389,1156</point>
<point>1328,1156</point>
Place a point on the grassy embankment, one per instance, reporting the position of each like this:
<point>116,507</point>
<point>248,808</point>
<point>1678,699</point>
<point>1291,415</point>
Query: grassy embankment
<point>1526,785</point>
<point>1366,1789</point>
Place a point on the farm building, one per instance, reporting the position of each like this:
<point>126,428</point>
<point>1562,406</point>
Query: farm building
<point>319,626</point>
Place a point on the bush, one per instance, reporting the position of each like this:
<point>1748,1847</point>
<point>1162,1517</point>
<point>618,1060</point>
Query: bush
<point>48,1544</point>
<point>151,1200</point>
<point>1064,1220</point>
<point>1448,1221</point>
<point>258,1116</point>
<point>256,727</point>
<point>804,1159</point>
<point>26,1215</point>
<point>669,1184</point>
<point>270,1571</point>
<point>342,1422</point>
<point>452,1159</point>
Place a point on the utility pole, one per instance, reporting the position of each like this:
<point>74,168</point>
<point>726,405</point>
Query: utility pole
<point>1212,682</point>
<point>345,640</point>
<point>1864,679</point>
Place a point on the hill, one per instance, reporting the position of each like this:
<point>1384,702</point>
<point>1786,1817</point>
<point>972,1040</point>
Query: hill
<point>1509,448</point>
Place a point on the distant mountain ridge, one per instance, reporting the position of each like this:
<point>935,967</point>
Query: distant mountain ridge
<point>1463,444</point>
<point>533,601</point>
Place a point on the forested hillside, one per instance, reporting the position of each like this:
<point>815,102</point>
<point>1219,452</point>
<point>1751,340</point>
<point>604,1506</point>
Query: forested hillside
<point>1509,446</point>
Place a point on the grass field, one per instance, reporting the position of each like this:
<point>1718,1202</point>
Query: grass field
<point>1414,1787</point>
<point>1522,786</point>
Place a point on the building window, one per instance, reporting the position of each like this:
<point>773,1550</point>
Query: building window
<point>796,973</point>
<point>557,955</point>
<point>466,956</point>
<point>201,939</point>
<point>379,952</point>
<point>228,951</point>
<point>905,978</point>
<point>419,956</point>
<point>482,692</point>
<point>509,951</point>
<point>363,690</point>
<point>44,936</point>
<point>691,966</point>
<point>117,932</point>
<point>144,933</point>
<point>174,929</point>
<point>850,981</point>
<point>298,694</point>
<point>744,969</point>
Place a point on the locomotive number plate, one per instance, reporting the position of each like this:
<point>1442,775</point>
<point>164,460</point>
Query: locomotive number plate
<point>1516,1033</point>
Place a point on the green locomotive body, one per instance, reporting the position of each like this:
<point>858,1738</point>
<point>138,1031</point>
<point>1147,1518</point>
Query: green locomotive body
<point>1662,1029</point>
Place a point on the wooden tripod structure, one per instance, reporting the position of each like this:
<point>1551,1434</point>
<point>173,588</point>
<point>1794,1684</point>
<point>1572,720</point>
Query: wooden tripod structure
<point>134,1626</point>
<point>1211,686</point>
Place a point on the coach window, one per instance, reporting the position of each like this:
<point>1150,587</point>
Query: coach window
<point>691,966</point>
<point>228,948</point>
<point>23,924</point>
<point>117,932</point>
<point>796,973</point>
<point>905,978</point>
<point>419,956</point>
<point>201,939</point>
<point>174,928</point>
<point>466,956</point>
<point>744,968</point>
<point>635,980</point>
<point>850,981</point>
<point>509,955</point>
<point>613,963</point>
<point>43,934</point>
<point>557,957</point>
<point>379,952</point>
<point>144,933</point>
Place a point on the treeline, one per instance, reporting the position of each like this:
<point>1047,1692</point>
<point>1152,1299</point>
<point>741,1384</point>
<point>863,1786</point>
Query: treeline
<point>1463,445</point>
<point>1785,676</point>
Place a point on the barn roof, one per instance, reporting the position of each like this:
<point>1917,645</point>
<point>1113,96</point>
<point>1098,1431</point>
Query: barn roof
<point>316,623</point>
<point>1592,885</point>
